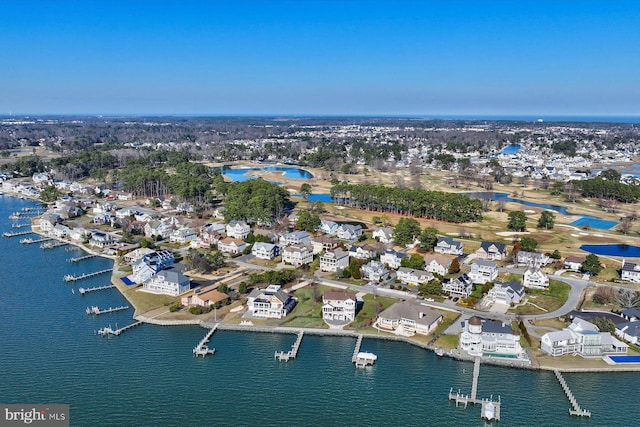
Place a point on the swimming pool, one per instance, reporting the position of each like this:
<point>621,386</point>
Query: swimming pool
<point>624,359</point>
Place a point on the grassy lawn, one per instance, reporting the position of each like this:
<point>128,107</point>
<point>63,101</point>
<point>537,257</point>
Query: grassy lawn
<point>373,305</point>
<point>607,275</point>
<point>144,301</point>
<point>549,299</point>
<point>477,292</point>
<point>448,341</point>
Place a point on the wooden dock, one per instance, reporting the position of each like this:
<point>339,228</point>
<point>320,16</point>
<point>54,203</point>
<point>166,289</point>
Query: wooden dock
<point>30,241</point>
<point>202,349</point>
<point>54,244</point>
<point>291,354</point>
<point>575,410</point>
<point>16,233</point>
<point>20,225</point>
<point>362,359</point>
<point>356,350</point>
<point>108,331</point>
<point>98,311</point>
<point>71,278</point>
<point>490,408</point>
<point>81,258</point>
<point>97,288</point>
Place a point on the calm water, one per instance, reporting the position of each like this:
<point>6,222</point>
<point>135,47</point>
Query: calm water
<point>511,149</point>
<point>240,174</point>
<point>149,377</point>
<point>622,250</point>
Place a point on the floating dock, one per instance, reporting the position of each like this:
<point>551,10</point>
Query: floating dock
<point>97,288</point>
<point>576,410</point>
<point>16,233</point>
<point>490,408</point>
<point>71,278</point>
<point>291,354</point>
<point>202,349</point>
<point>108,331</point>
<point>98,311</point>
<point>362,359</point>
<point>82,258</point>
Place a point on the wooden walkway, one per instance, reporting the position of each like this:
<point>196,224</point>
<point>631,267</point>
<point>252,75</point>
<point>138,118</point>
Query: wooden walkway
<point>81,258</point>
<point>490,408</point>
<point>16,233</point>
<point>576,409</point>
<point>108,331</point>
<point>291,354</point>
<point>97,288</point>
<point>202,349</point>
<point>356,350</point>
<point>70,278</point>
<point>97,311</point>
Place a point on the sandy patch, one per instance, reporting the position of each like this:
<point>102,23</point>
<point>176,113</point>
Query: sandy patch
<point>511,233</point>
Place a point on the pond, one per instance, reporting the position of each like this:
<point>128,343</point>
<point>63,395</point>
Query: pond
<point>511,149</point>
<point>240,174</point>
<point>593,222</point>
<point>621,250</point>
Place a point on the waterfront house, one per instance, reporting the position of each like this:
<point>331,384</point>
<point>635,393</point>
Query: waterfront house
<point>136,255</point>
<point>446,245</point>
<point>59,231</point>
<point>349,231</point>
<point>168,282</point>
<point>338,306</point>
<point>490,338</point>
<point>408,318</point>
<point>149,264</point>
<point>47,222</point>
<point>334,260</point>
<point>506,293</point>
<point>392,259</point>
<point>631,314</point>
<point>205,297</point>
<point>413,277</point>
<point>483,271</point>
<point>630,271</point>
<point>383,235</point>
<point>182,235</point>
<point>330,228</point>
<point>492,251</point>
<point>232,246</point>
<point>629,331</point>
<point>324,243</point>
<point>573,262</point>
<point>297,255</point>
<point>78,234</point>
<point>363,252</point>
<point>101,240</point>
<point>437,264</point>
<point>581,338</point>
<point>238,229</point>
<point>535,278</point>
<point>271,302</point>
<point>461,286</point>
<point>374,271</point>
<point>265,250</point>
<point>532,259</point>
<point>297,238</point>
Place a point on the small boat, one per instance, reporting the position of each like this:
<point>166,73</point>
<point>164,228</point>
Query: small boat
<point>489,411</point>
<point>440,351</point>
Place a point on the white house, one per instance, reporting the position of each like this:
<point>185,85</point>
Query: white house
<point>230,245</point>
<point>206,239</point>
<point>324,243</point>
<point>408,318</point>
<point>362,252</point>
<point>327,227</point>
<point>480,337</point>
<point>349,231</point>
<point>265,250</point>
<point>338,306</point>
<point>334,260</point>
<point>182,235</point>
<point>535,278</point>
<point>506,293</point>
<point>532,259</point>
<point>238,230</point>
<point>149,264</point>
<point>384,235</point>
<point>438,264</point>
<point>295,238</point>
<point>446,245</point>
<point>630,271</point>
<point>60,231</point>
<point>413,277</point>
<point>47,222</point>
<point>101,240</point>
<point>574,263</point>
<point>461,286</point>
<point>297,255</point>
<point>492,251</point>
<point>374,271</point>
<point>581,338</point>
<point>629,331</point>
<point>156,228</point>
<point>392,258</point>
<point>168,282</point>
<point>271,302</point>
<point>483,271</point>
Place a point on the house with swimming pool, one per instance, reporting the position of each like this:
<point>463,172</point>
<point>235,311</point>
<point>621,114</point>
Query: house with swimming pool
<point>581,338</point>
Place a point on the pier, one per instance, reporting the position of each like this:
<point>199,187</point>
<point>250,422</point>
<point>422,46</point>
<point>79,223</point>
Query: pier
<point>16,233</point>
<point>490,408</point>
<point>576,409</point>
<point>97,288</point>
<point>360,358</point>
<point>291,354</point>
<point>71,278</point>
<point>29,241</point>
<point>97,311</point>
<point>202,349</point>
<point>108,331</point>
<point>20,225</point>
<point>51,245</point>
<point>82,258</point>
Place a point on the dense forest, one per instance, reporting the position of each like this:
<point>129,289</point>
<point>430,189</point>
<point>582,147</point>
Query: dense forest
<point>420,203</point>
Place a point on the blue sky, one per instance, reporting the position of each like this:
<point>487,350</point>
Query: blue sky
<point>337,57</point>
